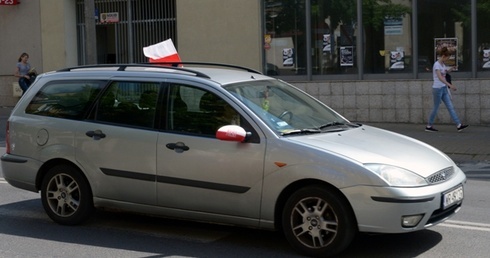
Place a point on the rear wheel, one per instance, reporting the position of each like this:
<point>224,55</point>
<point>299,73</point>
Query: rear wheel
<point>318,222</point>
<point>66,195</point>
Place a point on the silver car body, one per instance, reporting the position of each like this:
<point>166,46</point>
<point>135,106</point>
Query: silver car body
<point>228,182</point>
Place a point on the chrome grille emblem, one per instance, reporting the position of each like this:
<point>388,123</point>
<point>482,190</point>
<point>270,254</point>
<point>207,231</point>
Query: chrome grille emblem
<point>441,176</point>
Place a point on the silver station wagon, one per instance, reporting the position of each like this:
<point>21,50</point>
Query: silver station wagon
<point>221,144</point>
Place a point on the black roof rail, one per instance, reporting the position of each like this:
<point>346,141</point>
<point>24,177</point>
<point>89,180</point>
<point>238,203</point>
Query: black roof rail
<point>175,64</point>
<point>164,65</point>
<point>122,67</point>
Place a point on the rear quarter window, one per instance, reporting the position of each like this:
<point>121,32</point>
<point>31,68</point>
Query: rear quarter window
<point>65,99</point>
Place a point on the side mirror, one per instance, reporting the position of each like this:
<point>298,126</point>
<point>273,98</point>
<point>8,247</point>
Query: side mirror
<point>233,133</point>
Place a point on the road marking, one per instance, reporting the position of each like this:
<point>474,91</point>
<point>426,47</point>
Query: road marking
<point>2,180</point>
<point>466,225</point>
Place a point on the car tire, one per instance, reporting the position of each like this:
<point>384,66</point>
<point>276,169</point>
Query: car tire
<point>66,195</point>
<point>318,222</point>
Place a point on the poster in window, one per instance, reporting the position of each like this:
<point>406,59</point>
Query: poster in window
<point>397,60</point>
<point>327,45</point>
<point>452,46</point>
<point>288,57</point>
<point>346,56</point>
<point>486,58</point>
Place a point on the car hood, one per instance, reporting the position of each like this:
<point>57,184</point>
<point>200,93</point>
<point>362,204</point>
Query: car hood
<point>368,144</point>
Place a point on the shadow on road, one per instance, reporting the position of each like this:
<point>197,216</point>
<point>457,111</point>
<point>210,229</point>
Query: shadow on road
<point>165,237</point>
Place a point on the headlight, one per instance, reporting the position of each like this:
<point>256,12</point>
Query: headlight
<point>396,176</point>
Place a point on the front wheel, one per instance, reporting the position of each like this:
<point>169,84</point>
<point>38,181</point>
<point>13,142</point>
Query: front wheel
<point>318,222</point>
<point>66,195</point>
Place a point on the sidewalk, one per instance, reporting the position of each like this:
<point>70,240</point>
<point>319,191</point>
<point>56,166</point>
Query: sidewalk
<point>472,145</point>
<point>469,146</point>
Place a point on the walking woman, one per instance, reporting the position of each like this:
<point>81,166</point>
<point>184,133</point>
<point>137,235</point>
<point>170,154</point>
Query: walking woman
<point>440,92</point>
<point>23,69</point>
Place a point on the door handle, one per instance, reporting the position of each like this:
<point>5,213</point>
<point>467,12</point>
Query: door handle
<point>96,135</point>
<point>178,147</point>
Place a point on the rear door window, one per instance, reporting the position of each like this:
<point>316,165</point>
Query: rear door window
<point>129,103</point>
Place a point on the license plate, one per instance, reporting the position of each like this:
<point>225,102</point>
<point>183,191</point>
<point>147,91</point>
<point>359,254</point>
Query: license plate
<point>452,197</point>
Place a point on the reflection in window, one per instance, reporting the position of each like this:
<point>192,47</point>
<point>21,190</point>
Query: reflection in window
<point>333,36</point>
<point>483,54</point>
<point>195,111</point>
<point>69,100</point>
<point>281,107</point>
<point>285,37</point>
<point>388,36</point>
<point>129,103</point>
<point>450,24</point>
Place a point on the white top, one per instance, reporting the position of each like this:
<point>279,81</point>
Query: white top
<point>441,67</point>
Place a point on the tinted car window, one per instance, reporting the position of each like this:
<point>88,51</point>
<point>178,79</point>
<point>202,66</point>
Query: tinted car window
<point>193,110</point>
<point>129,103</point>
<point>65,99</point>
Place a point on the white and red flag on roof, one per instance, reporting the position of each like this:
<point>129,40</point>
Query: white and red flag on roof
<point>162,52</point>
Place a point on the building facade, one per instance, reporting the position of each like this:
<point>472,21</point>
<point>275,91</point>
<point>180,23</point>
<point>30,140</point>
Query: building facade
<point>369,60</point>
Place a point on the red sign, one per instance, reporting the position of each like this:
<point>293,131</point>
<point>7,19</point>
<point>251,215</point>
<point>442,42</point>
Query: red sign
<point>9,2</point>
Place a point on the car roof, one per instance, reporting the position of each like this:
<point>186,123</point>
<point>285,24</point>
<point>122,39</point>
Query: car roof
<point>229,76</point>
<point>220,73</point>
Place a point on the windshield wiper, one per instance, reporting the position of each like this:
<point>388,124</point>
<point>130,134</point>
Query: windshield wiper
<point>320,128</point>
<point>335,123</point>
<point>302,131</point>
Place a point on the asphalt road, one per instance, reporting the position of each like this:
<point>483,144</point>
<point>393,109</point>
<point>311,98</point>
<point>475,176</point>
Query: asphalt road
<point>26,231</point>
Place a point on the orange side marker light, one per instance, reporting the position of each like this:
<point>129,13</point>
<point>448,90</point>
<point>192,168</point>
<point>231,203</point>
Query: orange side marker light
<point>280,164</point>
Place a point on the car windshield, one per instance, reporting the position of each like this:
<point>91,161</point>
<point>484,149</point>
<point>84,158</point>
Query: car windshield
<point>287,110</point>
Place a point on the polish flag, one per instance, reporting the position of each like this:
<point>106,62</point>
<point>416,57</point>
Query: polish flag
<point>162,52</point>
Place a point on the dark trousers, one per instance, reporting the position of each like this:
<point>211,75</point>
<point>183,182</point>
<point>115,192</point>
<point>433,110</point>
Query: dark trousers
<point>24,84</point>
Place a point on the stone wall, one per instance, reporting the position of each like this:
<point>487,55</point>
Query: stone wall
<point>7,98</point>
<point>396,101</point>
<point>402,101</point>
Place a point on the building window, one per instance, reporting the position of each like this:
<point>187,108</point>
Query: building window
<point>332,42</point>
<point>449,26</point>
<point>285,37</point>
<point>333,32</point>
<point>139,24</point>
<point>483,42</point>
<point>387,36</point>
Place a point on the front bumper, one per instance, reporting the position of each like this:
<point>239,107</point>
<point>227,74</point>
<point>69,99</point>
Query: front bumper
<point>381,209</point>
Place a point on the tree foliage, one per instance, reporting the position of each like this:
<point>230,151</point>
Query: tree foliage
<point>290,15</point>
<point>374,12</point>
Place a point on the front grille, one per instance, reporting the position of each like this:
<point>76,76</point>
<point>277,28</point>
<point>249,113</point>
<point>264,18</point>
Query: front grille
<point>441,176</point>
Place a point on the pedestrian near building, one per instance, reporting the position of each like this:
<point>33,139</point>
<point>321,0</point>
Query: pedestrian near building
<point>441,91</point>
<point>24,72</point>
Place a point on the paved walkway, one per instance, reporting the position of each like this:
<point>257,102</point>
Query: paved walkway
<point>470,149</point>
<point>466,148</point>
<point>470,145</point>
